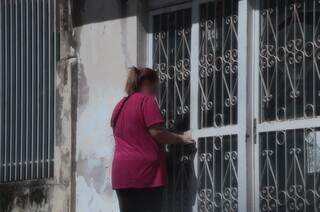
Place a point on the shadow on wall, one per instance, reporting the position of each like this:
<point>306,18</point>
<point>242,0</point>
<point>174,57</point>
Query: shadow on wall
<point>94,11</point>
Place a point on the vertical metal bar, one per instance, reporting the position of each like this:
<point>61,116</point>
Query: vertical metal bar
<point>54,75</point>
<point>5,87</point>
<point>223,21</point>
<point>206,140</point>
<point>304,102</point>
<point>267,70</point>
<point>44,95</point>
<point>304,115</point>
<point>222,185</point>
<point>242,103</point>
<point>49,87</point>
<point>267,157</point>
<point>214,168</point>
<point>16,94</point>
<point>172,53</point>
<point>294,84</point>
<point>276,166</point>
<point>295,168</point>
<point>32,89</point>
<point>276,63</point>
<point>22,78</point>
<point>194,79</point>
<point>256,101</point>
<point>27,31</point>
<point>317,163</point>
<point>286,163</point>
<point>150,41</point>
<point>11,92</point>
<point>167,68</point>
<point>1,90</point>
<point>205,117</point>
<point>314,92</point>
<point>260,95</point>
<point>38,88</point>
<point>305,163</point>
<point>229,93</point>
<point>175,89</point>
<point>286,67</point>
<point>314,58</point>
<point>215,91</point>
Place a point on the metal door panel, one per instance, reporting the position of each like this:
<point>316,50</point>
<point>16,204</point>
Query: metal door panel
<point>195,52</point>
<point>287,106</point>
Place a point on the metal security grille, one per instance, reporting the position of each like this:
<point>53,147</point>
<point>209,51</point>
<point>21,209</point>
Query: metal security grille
<point>195,52</point>
<point>27,72</point>
<point>218,63</point>
<point>171,59</point>
<point>218,174</point>
<point>290,170</point>
<point>289,106</point>
<point>289,60</point>
<point>218,106</point>
<point>254,104</point>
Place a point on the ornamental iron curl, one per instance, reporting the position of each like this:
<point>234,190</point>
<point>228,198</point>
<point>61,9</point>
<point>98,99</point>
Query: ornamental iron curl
<point>286,182</point>
<point>218,64</point>
<point>217,174</point>
<point>171,59</point>
<point>289,59</point>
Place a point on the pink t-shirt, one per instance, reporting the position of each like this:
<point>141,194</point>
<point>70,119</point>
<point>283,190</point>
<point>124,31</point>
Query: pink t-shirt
<point>139,161</point>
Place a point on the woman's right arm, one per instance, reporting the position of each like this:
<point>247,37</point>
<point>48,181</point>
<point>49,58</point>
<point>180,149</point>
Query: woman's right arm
<point>163,136</point>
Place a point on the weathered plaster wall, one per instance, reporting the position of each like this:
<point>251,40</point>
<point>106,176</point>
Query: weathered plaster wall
<point>52,195</point>
<point>105,49</point>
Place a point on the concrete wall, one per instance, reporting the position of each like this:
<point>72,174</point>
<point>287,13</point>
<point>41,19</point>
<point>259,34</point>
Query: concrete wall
<point>107,45</point>
<point>53,195</point>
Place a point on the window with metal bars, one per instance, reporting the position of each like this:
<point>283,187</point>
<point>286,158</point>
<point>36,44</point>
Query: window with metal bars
<point>27,72</point>
<point>171,59</point>
<point>217,101</point>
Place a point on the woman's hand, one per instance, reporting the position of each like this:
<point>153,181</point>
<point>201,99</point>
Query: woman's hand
<point>187,139</point>
<point>163,136</point>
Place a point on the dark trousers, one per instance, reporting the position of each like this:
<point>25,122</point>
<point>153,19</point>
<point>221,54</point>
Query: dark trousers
<point>140,200</point>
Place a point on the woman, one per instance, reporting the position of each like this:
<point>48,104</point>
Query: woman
<point>139,167</point>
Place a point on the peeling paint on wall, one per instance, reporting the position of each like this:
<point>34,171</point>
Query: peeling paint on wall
<point>105,50</point>
<point>24,197</point>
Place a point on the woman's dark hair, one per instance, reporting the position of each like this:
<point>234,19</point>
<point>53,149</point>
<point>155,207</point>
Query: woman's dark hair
<point>137,76</point>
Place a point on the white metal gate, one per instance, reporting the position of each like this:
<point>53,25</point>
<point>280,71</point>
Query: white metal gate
<point>243,76</point>
<point>203,90</point>
<point>287,106</point>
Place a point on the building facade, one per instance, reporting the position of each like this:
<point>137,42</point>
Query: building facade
<point>242,75</point>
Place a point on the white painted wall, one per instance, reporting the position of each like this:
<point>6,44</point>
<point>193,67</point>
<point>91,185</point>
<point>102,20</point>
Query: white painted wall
<point>106,49</point>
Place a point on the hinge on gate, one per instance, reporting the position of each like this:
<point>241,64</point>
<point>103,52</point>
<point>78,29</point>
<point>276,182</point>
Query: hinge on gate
<point>255,131</point>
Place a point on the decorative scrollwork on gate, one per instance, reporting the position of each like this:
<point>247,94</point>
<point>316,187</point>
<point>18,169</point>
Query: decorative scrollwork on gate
<point>171,59</point>
<point>218,63</point>
<point>290,170</point>
<point>289,59</point>
<point>217,174</point>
